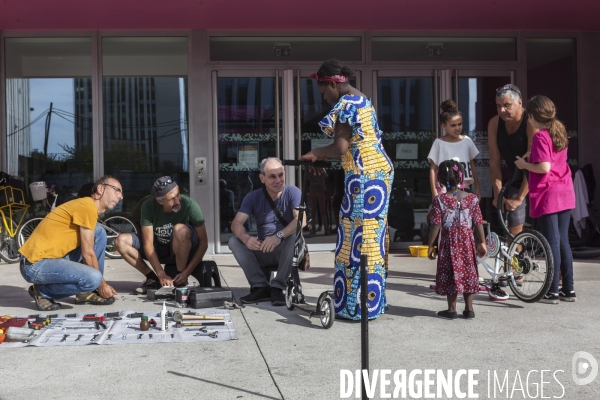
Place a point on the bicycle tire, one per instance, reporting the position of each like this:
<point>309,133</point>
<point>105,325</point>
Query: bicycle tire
<point>9,250</point>
<point>585,253</point>
<point>534,261</point>
<point>117,224</point>
<point>26,229</point>
<point>586,234</point>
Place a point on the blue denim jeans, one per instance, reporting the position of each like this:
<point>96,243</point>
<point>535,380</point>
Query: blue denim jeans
<point>63,277</point>
<point>555,228</point>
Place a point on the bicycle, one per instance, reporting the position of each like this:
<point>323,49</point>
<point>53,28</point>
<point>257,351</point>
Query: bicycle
<point>528,256</point>
<point>12,209</point>
<point>114,224</point>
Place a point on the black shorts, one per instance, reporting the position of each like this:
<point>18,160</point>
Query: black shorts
<point>164,251</point>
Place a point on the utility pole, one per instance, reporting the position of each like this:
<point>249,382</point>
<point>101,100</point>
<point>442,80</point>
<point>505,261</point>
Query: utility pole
<point>46,135</point>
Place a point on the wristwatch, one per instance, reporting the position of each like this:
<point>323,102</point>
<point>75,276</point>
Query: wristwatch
<point>280,235</point>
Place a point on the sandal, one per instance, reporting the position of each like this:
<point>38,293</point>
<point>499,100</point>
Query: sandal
<point>42,303</point>
<point>93,298</point>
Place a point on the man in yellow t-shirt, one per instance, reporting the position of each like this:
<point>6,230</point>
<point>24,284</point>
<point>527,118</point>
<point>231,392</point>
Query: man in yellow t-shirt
<point>64,255</point>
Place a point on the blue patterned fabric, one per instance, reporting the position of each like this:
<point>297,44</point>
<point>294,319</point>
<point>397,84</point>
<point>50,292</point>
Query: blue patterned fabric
<point>363,227</point>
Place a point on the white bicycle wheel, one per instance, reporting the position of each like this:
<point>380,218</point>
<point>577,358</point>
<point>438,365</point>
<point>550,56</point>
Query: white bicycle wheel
<point>114,225</point>
<point>26,229</point>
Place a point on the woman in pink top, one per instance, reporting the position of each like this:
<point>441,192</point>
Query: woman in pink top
<point>551,193</point>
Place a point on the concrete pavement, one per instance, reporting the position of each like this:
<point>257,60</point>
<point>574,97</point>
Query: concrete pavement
<point>281,354</point>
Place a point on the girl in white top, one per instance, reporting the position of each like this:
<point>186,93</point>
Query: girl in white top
<point>453,146</point>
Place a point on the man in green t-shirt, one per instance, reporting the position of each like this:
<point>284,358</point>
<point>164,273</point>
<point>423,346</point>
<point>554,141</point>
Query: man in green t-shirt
<point>172,233</point>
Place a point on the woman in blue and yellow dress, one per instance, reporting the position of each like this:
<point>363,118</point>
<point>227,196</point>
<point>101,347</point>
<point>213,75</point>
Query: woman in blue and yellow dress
<point>363,228</point>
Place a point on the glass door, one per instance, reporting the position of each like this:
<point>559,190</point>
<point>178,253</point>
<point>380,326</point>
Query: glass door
<point>248,121</point>
<point>406,105</point>
<point>324,189</point>
<point>475,94</point>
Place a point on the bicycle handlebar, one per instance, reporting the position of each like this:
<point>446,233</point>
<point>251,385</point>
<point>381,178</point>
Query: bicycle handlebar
<point>316,164</point>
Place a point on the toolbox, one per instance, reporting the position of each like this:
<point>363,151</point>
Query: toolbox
<point>205,297</point>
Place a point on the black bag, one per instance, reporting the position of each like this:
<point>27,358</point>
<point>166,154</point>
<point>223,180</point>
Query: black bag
<point>304,264</point>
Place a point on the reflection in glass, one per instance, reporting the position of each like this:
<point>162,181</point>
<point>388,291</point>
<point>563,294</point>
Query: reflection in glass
<point>247,134</point>
<point>145,133</point>
<point>405,114</point>
<point>47,139</point>
<point>477,104</point>
<point>313,109</point>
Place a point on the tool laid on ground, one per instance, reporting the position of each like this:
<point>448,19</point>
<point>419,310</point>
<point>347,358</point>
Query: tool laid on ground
<point>100,324</point>
<point>77,327</point>
<point>213,334</point>
<point>135,315</point>
<point>7,321</point>
<point>64,338</point>
<point>179,317</point>
<point>201,329</point>
<point>94,338</point>
<point>96,318</point>
<point>112,314</point>
<point>79,338</point>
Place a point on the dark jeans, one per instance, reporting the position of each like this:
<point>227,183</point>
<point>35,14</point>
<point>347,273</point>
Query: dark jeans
<point>555,228</point>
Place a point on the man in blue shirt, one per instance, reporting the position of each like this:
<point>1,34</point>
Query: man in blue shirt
<point>275,242</point>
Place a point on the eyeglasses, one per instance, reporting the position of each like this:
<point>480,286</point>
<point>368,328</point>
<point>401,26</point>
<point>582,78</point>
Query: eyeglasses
<point>165,183</point>
<point>116,189</point>
<point>510,87</point>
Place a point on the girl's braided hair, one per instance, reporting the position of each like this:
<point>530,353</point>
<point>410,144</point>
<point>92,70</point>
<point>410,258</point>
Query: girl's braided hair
<point>451,175</point>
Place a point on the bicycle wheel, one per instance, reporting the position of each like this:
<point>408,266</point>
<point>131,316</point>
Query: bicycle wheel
<point>531,257</point>
<point>26,229</point>
<point>114,225</point>
<point>8,244</point>
<point>586,234</point>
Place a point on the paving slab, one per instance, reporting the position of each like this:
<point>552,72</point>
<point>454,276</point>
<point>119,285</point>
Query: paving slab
<point>282,354</point>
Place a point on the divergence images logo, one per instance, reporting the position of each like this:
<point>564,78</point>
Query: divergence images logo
<point>582,361</point>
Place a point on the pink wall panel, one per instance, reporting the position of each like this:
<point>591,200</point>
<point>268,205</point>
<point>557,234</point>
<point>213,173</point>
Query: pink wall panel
<point>576,15</point>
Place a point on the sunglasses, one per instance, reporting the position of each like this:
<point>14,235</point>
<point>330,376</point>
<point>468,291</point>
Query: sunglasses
<point>165,183</point>
<point>510,87</point>
<point>116,189</point>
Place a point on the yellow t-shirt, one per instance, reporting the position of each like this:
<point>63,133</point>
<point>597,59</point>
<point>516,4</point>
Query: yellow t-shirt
<point>58,233</point>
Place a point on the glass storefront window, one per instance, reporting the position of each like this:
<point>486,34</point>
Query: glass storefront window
<point>49,137</point>
<point>552,72</point>
<point>438,49</point>
<point>405,112</point>
<point>145,113</point>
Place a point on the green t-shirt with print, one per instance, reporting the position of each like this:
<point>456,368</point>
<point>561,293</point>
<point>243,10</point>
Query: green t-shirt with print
<point>162,224</point>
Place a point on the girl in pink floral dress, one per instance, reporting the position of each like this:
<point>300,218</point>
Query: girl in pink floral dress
<point>456,213</point>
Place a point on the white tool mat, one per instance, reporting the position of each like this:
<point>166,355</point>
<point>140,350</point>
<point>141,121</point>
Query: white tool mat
<point>125,329</point>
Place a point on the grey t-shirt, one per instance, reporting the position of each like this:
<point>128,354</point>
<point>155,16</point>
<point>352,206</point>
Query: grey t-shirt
<point>268,224</point>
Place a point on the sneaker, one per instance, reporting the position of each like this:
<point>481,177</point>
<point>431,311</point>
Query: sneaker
<point>277,297</point>
<point>469,314</point>
<point>42,303</point>
<point>550,298</point>
<point>257,295</point>
<point>497,294</point>
<point>148,284</point>
<point>567,296</point>
<point>93,298</point>
<point>447,314</point>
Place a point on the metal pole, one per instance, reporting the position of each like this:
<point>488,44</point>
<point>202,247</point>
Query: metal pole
<point>277,114</point>
<point>46,135</point>
<point>364,321</point>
